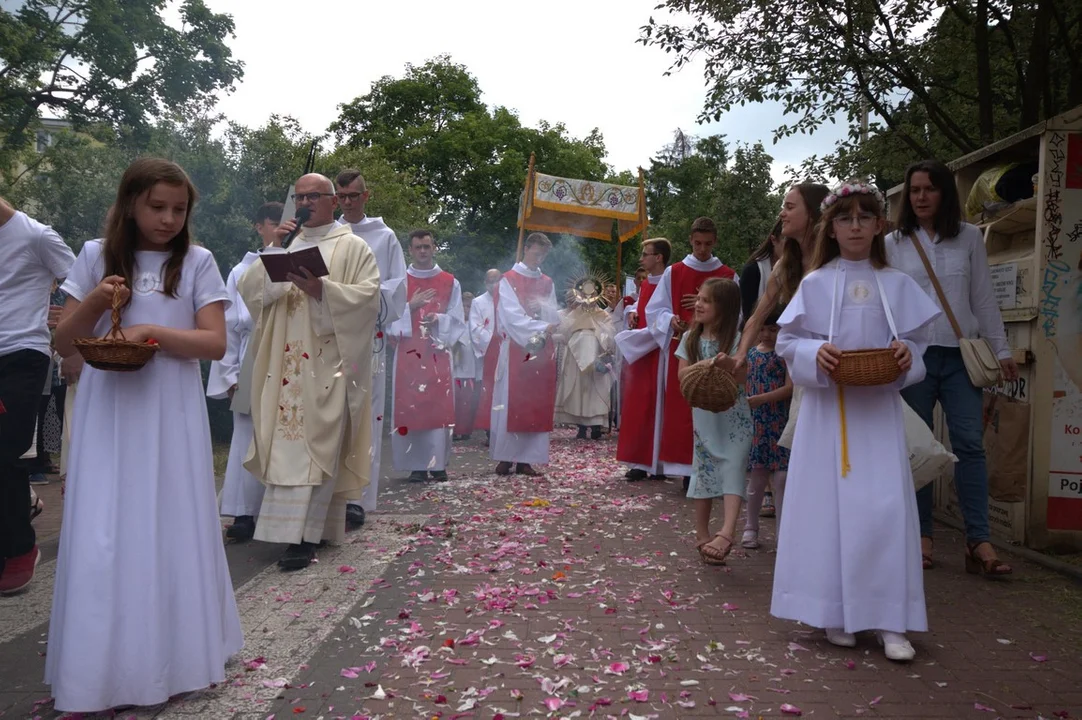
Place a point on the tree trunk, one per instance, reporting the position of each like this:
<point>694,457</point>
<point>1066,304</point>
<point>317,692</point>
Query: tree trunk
<point>985,100</point>
<point>1038,66</point>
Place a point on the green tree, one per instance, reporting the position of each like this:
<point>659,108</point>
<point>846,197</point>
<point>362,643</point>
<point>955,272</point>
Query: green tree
<point>470,161</point>
<point>693,177</point>
<point>939,78</point>
<point>106,61</point>
<point>395,196</point>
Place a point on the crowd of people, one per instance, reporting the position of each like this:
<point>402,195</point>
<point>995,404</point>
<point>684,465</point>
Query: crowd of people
<point>303,361</point>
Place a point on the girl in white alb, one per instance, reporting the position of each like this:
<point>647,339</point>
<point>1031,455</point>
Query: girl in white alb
<point>849,545</point>
<point>143,605</point>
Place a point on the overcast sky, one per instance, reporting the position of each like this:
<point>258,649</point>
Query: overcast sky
<point>576,63</point>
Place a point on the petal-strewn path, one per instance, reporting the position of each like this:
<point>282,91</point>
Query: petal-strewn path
<point>579,595</point>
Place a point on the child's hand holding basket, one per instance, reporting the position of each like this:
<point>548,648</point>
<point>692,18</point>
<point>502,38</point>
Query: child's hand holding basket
<point>116,351</point>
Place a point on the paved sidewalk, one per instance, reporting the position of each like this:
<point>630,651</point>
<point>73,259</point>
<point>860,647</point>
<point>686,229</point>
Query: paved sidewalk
<point>580,595</point>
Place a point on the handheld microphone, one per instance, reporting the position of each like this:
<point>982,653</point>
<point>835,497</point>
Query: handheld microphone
<point>303,215</point>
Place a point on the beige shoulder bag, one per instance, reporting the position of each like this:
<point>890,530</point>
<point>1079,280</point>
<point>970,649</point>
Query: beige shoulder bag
<point>980,360</point>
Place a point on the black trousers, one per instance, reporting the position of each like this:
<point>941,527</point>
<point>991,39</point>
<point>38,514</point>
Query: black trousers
<point>22,375</point>
<point>42,464</point>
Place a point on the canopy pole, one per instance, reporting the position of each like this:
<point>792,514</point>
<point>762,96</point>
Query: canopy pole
<point>525,205</point>
<point>642,205</point>
<point>619,266</point>
<point>619,247</point>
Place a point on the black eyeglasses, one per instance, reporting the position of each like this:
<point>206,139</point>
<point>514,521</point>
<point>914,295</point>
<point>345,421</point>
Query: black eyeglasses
<point>310,197</point>
<point>351,196</point>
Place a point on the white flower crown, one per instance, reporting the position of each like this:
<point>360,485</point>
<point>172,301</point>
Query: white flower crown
<point>851,188</point>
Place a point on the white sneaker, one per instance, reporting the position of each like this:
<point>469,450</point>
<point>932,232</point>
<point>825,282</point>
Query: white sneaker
<point>750,541</point>
<point>896,647</point>
<point>839,637</point>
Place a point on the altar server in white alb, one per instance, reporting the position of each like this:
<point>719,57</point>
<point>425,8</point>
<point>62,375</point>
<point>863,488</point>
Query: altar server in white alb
<point>353,196</point>
<point>423,383</point>
<point>242,493</point>
<point>849,546</point>
<point>524,398</point>
<point>143,604</point>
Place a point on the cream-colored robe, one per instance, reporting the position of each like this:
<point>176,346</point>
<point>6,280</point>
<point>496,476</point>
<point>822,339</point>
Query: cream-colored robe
<point>310,397</point>
<point>583,395</point>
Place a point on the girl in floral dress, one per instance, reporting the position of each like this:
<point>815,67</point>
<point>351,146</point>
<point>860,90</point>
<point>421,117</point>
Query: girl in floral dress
<point>769,389</point>
<point>722,440</point>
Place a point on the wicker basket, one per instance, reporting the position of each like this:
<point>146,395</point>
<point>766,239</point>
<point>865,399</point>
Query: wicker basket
<point>708,388</point>
<point>114,352</point>
<point>867,367</point>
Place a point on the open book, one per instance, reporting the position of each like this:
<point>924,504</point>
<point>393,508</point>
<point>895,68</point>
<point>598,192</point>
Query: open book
<point>280,262</point>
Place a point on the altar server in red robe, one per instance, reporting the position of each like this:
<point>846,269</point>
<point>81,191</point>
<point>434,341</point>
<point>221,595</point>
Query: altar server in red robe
<point>423,385</point>
<point>644,374</point>
<point>667,315</point>
<point>524,397</point>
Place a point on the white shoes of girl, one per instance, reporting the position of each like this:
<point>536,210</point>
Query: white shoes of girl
<point>895,645</point>
<point>839,637</point>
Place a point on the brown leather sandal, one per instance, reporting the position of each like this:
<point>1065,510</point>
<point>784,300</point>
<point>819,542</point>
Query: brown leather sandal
<point>710,555</point>
<point>926,557</point>
<point>990,568</point>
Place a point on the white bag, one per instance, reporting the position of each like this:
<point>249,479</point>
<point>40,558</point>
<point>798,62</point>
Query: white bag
<point>928,459</point>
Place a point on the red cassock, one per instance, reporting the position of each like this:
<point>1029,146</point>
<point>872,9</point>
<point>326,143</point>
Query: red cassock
<point>531,390</point>
<point>676,431</point>
<point>635,443</point>
<point>423,387</point>
<point>483,417</point>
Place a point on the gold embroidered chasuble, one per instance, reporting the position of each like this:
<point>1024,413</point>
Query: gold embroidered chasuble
<point>312,369</point>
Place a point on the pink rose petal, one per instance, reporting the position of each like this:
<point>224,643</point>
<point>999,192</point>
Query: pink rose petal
<point>1038,658</point>
<point>617,668</point>
<point>983,708</point>
<point>639,695</point>
<point>554,704</point>
<point>788,709</point>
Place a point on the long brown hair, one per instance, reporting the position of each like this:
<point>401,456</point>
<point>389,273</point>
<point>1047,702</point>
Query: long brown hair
<point>792,253</point>
<point>121,232</point>
<point>766,248</point>
<point>826,247</point>
<point>724,295</point>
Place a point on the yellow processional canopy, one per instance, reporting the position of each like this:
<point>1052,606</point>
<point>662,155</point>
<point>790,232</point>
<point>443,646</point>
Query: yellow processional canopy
<point>581,207</point>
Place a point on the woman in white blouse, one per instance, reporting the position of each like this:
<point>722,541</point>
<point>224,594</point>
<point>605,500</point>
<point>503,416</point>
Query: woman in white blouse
<point>931,213</point>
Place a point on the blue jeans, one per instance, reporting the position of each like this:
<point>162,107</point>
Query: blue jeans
<point>963,404</point>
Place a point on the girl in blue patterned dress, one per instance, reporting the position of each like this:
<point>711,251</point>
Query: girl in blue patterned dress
<point>722,440</point>
<point>769,389</point>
